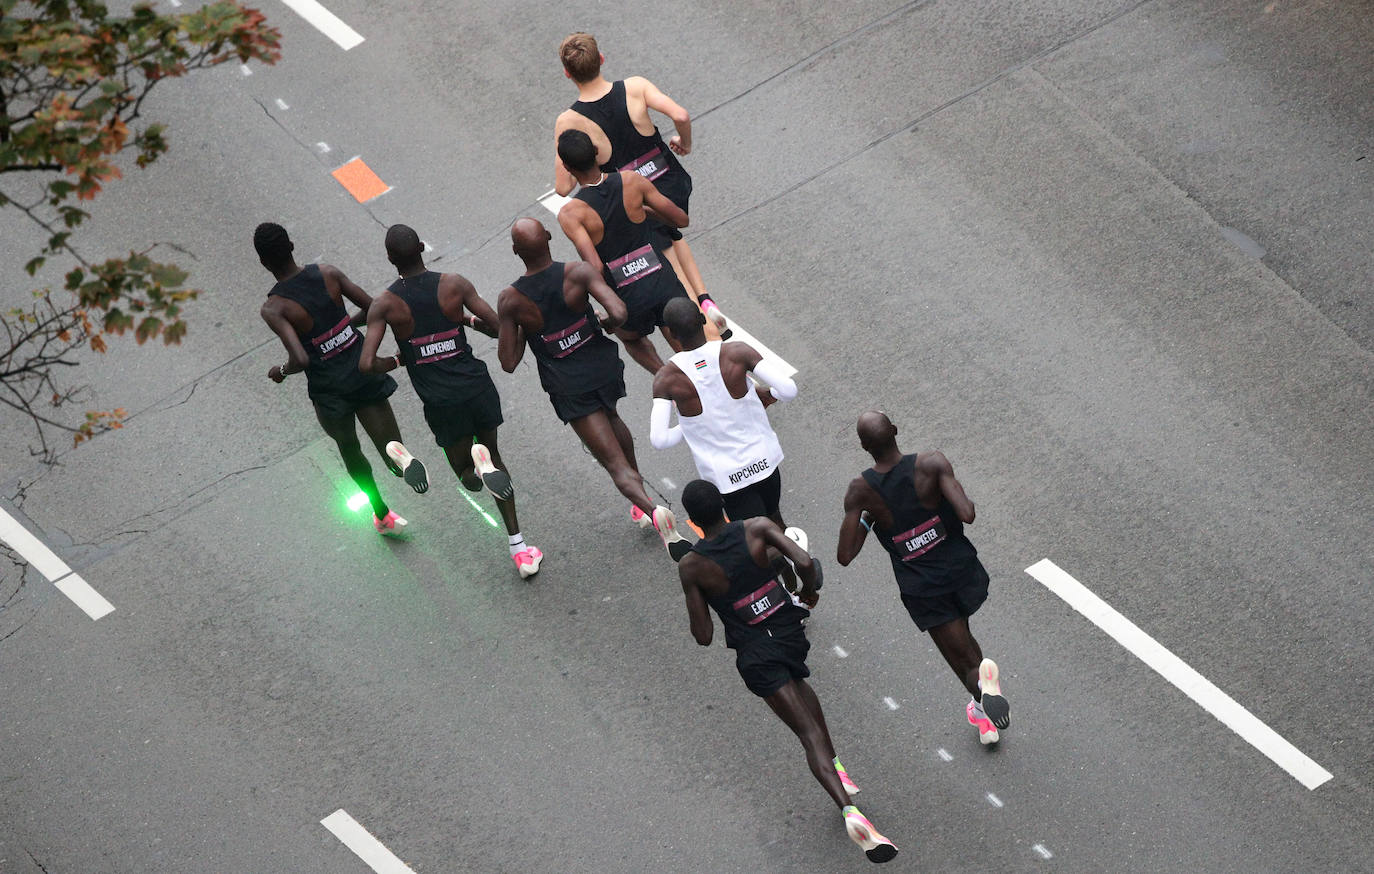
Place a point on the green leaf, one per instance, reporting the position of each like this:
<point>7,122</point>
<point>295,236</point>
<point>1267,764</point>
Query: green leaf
<point>34,265</point>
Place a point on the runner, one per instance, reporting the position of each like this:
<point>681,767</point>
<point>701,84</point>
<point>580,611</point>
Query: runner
<point>305,309</point>
<point>720,415</point>
<point>608,223</point>
<point>919,510</point>
<point>616,117</point>
<point>425,310</point>
<point>731,570</point>
<point>550,307</point>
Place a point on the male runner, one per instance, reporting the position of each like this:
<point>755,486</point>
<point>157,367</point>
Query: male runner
<point>616,117</point>
<point>720,415</point>
<point>550,308</point>
<point>425,310</point>
<point>732,570</point>
<point>608,222</point>
<point>919,510</point>
<point>305,309</point>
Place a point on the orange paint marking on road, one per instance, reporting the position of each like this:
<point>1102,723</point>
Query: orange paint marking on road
<point>359,180</point>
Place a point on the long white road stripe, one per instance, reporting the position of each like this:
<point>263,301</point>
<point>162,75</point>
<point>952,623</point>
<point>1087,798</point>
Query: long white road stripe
<point>1176,671</point>
<point>360,841</point>
<point>326,22</point>
<point>46,562</point>
<point>553,202</point>
<point>81,593</point>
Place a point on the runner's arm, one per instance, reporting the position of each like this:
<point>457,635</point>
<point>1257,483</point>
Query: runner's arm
<point>483,317</point>
<point>854,529</point>
<point>376,330</point>
<point>602,293</point>
<point>296,357</point>
<point>661,436</point>
<point>349,289</point>
<point>577,234</point>
<point>769,372</point>
<point>807,568</point>
<point>510,344</point>
<point>689,570</point>
<point>563,181</point>
<point>952,489</point>
<point>657,202</point>
<point>657,100</point>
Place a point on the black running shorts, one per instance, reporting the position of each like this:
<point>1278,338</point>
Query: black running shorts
<point>373,388</point>
<point>646,309</point>
<point>776,657</point>
<point>677,187</point>
<point>462,422</point>
<point>931,611</point>
<point>756,499</point>
<point>569,407</point>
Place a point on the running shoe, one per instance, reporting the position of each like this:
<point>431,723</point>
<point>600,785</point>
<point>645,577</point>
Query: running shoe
<point>718,319</point>
<point>666,525</point>
<point>987,732</point>
<point>392,524</point>
<point>412,468</point>
<point>640,518</point>
<point>849,786</point>
<point>799,536</point>
<point>994,705</point>
<point>527,561</point>
<point>494,478</point>
<point>876,847</point>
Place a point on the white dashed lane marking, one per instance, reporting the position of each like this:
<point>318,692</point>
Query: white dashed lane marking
<point>944,754</point>
<point>1178,672</point>
<point>325,22</point>
<point>891,705</point>
<point>46,562</point>
<point>840,651</point>
<point>994,800</point>
<point>1043,853</point>
<point>361,842</point>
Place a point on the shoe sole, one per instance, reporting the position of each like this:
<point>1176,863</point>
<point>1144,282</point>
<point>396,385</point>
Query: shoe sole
<point>995,707</point>
<point>529,570</point>
<point>413,469</point>
<point>675,543</point>
<point>875,850</point>
<point>496,480</point>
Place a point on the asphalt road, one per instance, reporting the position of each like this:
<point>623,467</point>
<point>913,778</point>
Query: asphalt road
<point>1113,258</point>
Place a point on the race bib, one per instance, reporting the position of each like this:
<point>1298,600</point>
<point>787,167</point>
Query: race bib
<point>570,339</point>
<point>335,340</point>
<point>650,165</point>
<point>761,603</point>
<point>757,470</point>
<point>436,347</point>
<point>920,540</point>
<point>635,266</point>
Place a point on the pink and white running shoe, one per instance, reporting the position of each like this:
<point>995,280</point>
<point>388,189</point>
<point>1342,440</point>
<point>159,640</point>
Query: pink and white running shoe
<point>849,786</point>
<point>640,518</point>
<point>876,847</point>
<point>987,732</point>
<point>666,524</point>
<point>391,525</point>
<point>527,561</point>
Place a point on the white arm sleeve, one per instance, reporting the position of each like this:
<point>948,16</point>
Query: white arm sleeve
<point>779,384</point>
<point>660,435</point>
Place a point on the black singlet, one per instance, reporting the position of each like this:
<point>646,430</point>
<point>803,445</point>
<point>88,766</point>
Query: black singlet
<point>756,599</point>
<point>930,554</point>
<point>573,353</point>
<point>333,345</point>
<point>437,355</point>
<point>630,251</point>
<point>648,156</point>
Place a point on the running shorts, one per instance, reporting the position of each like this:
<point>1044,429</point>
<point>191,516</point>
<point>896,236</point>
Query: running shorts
<point>462,422</point>
<point>374,388</point>
<point>646,307</point>
<point>756,499</point>
<point>931,611</point>
<point>569,407</point>
<point>775,657</point>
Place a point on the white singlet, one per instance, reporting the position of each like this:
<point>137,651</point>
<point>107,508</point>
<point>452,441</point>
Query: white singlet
<point>732,443</point>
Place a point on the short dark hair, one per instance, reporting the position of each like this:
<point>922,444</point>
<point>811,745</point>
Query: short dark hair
<point>703,503</point>
<point>273,244</point>
<point>683,318</point>
<point>576,150</point>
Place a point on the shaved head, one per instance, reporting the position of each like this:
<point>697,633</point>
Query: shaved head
<point>530,240</point>
<point>684,319</point>
<point>877,434</point>
<point>403,246</point>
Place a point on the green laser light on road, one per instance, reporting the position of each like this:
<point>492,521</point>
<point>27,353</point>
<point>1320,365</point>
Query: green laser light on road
<point>485,515</point>
<point>357,502</point>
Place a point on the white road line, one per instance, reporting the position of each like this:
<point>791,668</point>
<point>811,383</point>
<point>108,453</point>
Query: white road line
<point>891,705</point>
<point>81,593</point>
<point>944,754</point>
<point>247,70</point>
<point>994,800</point>
<point>669,483</point>
<point>323,147</point>
<point>31,549</point>
<point>840,651</point>
<point>1178,672</point>
<point>553,202</point>
<point>1044,853</point>
<point>281,104</point>
<point>46,562</point>
<point>326,22</point>
<point>360,841</point>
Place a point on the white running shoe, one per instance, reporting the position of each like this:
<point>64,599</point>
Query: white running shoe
<point>994,705</point>
<point>494,478</point>
<point>666,524</point>
<point>876,847</point>
<point>391,525</point>
<point>411,467</point>
<point>640,518</point>
<point>527,561</point>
